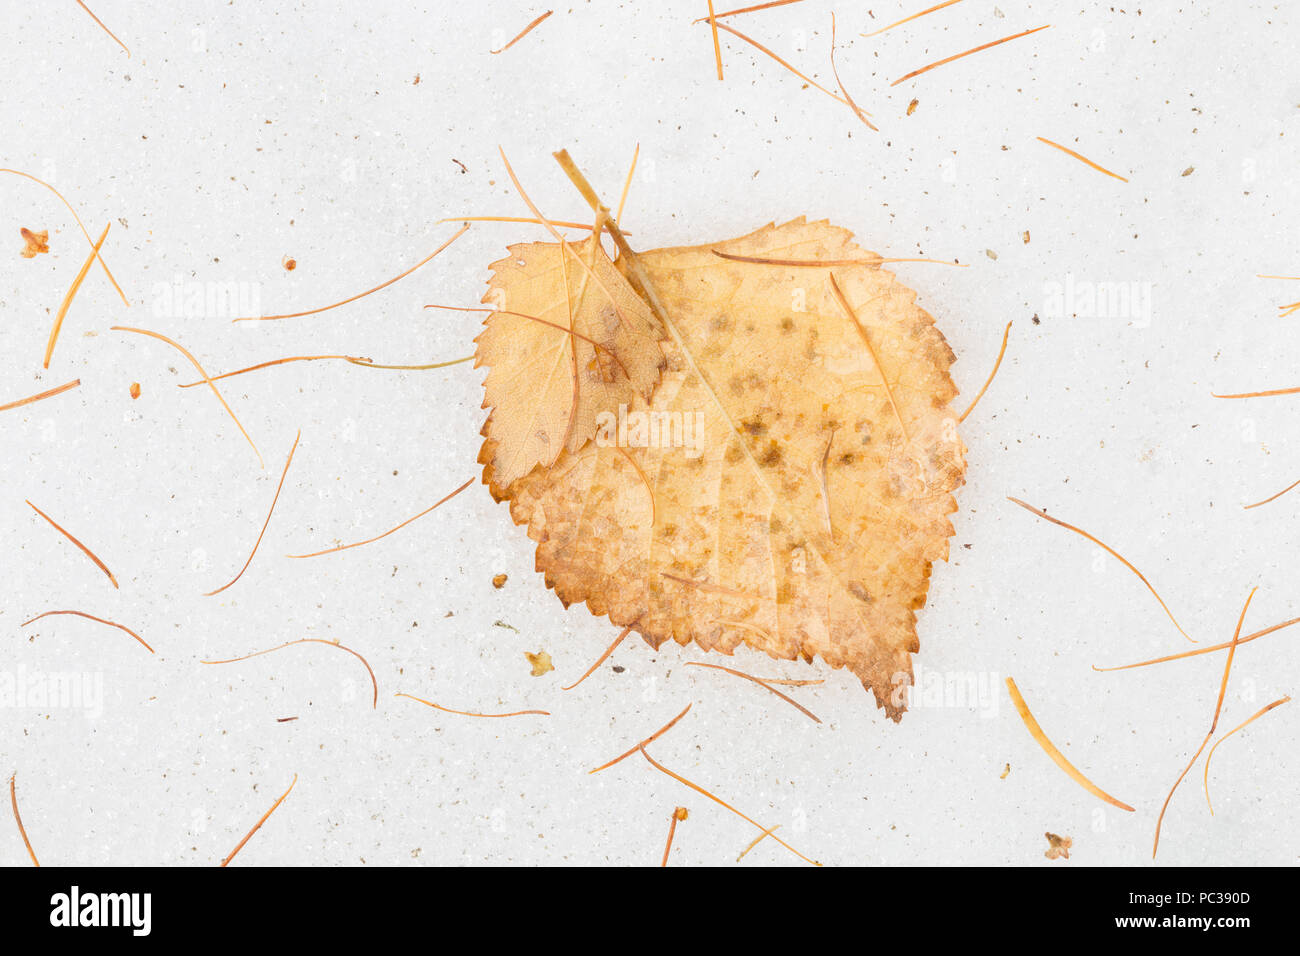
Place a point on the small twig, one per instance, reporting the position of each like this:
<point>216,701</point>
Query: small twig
<point>678,814</point>
<point>524,32</point>
<point>651,739</point>
<point>753,9</point>
<point>366,363</point>
<point>824,487</point>
<point>1083,159</point>
<point>1101,544</point>
<point>43,395</point>
<point>988,381</point>
<point>566,248</point>
<point>534,318</point>
<point>915,16</point>
<point>717,47</point>
<point>84,550</point>
<point>761,683</point>
<point>71,294</point>
<point>103,27</point>
<point>862,331</point>
<point>1275,391</point>
<point>757,840</point>
<point>206,378</point>
<point>466,713</point>
<point>791,682</point>
<point>762,49</point>
<point>600,660</point>
<point>584,226</point>
<point>1218,708</point>
<point>383,285</point>
<point>256,544</point>
<point>1200,650</point>
<point>1210,756</point>
<point>310,640</point>
<point>80,225</point>
<point>258,825</point>
<point>378,537</point>
<point>91,617</point>
<point>873,262</point>
<point>627,184</point>
<point>722,803</point>
<point>13,800</point>
<point>1273,497</point>
<point>273,363</point>
<point>637,276</point>
<point>958,56</point>
<point>1051,750</point>
<point>857,110</point>
<point>645,480</point>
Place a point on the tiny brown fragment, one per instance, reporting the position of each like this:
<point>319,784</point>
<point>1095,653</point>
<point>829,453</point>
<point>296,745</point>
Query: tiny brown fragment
<point>541,662</point>
<point>911,107</point>
<point>289,263</point>
<point>35,242</point>
<point>1058,847</point>
<point>499,581</point>
<point>135,389</point>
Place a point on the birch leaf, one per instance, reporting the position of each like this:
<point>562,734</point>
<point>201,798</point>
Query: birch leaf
<point>773,490</point>
<point>565,343</point>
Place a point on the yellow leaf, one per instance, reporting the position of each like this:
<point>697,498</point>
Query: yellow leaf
<point>564,345</point>
<point>773,490</point>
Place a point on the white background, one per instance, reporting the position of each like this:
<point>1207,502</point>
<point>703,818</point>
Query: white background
<point>241,132</point>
